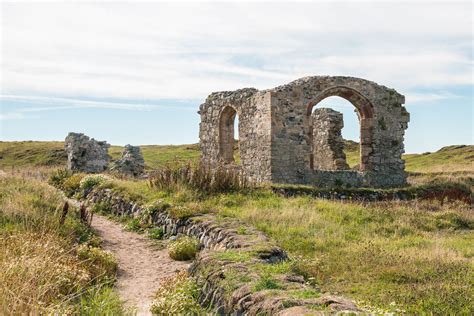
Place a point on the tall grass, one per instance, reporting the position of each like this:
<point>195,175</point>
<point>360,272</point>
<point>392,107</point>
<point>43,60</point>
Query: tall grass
<point>414,256</point>
<point>49,264</point>
<point>199,177</point>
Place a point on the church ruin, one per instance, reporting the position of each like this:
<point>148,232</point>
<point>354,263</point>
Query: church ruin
<point>277,133</point>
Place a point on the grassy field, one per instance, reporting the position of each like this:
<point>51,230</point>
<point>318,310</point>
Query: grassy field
<point>50,264</point>
<point>33,154</point>
<point>412,256</point>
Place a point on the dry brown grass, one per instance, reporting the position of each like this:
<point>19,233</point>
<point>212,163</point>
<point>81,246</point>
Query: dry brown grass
<point>45,266</point>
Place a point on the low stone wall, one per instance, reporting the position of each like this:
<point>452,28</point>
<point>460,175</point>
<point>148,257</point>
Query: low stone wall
<point>226,266</point>
<point>442,193</point>
<point>334,178</point>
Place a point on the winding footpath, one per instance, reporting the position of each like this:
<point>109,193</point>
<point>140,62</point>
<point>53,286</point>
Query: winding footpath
<point>142,265</point>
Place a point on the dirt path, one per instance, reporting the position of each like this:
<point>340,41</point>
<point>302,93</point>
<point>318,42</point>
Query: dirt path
<point>142,266</point>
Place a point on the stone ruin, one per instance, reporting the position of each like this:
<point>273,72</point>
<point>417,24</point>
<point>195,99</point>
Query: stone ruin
<point>276,132</point>
<point>131,163</point>
<point>327,142</point>
<point>86,154</point>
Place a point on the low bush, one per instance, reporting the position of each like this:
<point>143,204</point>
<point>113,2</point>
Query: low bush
<point>181,211</point>
<point>177,296</point>
<point>72,184</point>
<point>155,233</point>
<point>93,180</point>
<point>136,225</point>
<point>184,248</point>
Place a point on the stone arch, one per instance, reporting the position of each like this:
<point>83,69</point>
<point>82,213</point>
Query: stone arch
<point>365,112</point>
<point>226,134</point>
<point>273,131</point>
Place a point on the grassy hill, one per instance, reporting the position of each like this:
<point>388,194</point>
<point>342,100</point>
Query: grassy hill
<point>32,154</point>
<point>447,159</point>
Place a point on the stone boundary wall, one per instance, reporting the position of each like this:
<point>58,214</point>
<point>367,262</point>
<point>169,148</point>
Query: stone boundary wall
<point>442,193</point>
<point>334,178</point>
<point>211,268</point>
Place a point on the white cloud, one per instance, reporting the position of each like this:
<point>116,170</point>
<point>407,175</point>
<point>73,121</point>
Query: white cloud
<point>46,104</point>
<point>426,97</point>
<point>53,104</point>
<point>11,116</point>
<point>182,50</point>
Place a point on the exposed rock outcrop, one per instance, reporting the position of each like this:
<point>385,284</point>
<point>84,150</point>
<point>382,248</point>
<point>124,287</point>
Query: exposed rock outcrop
<point>86,154</point>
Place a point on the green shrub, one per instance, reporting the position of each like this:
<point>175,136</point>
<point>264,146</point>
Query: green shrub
<point>136,225</point>
<point>181,211</point>
<point>155,233</point>
<point>183,248</point>
<point>177,296</point>
<point>91,181</point>
<point>72,184</point>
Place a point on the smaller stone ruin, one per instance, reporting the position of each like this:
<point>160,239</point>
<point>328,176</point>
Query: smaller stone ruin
<point>131,163</point>
<point>86,154</point>
<point>328,144</point>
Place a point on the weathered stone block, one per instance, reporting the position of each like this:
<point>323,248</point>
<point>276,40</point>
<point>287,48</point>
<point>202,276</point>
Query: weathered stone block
<point>131,163</point>
<point>86,154</point>
<point>327,143</point>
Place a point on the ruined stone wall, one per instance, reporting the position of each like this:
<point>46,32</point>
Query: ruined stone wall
<point>131,163</point>
<point>86,154</point>
<point>275,131</point>
<point>327,142</point>
<point>383,121</point>
<point>216,131</point>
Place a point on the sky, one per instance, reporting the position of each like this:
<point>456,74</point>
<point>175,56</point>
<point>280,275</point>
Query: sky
<point>136,72</point>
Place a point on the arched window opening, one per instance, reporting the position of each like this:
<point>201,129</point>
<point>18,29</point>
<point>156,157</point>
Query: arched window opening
<point>229,136</point>
<point>236,147</point>
<point>340,131</point>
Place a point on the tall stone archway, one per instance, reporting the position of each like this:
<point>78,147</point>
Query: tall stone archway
<point>365,113</point>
